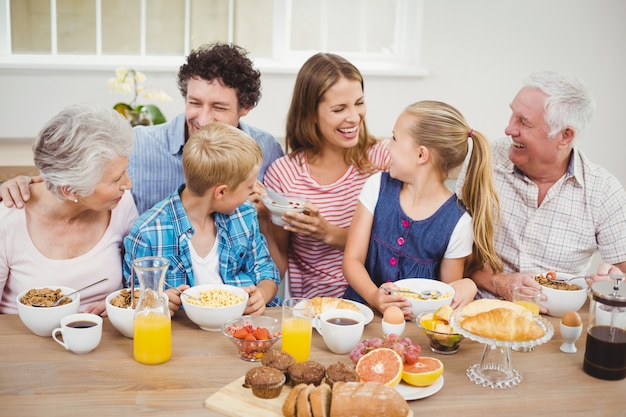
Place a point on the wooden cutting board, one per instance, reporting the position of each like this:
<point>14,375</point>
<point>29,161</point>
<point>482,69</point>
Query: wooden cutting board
<point>234,400</point>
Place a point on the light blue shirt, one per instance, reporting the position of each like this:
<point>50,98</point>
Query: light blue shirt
<point>155,166</point>
<point>165,231</point>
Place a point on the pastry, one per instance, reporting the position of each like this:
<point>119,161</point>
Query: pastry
<point>279,360</point>
<point>309,372</point>
<point>341,371</point>
<point>500,320</point>
<point>264,381</point>
<point>321,304</point>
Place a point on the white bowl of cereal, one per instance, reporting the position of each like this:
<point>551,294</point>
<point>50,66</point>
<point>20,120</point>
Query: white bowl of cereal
<point>120,316</point>
<point>210,305</point>
<point>421,304</point>
<point>42,320</point>
<point>562,297</point>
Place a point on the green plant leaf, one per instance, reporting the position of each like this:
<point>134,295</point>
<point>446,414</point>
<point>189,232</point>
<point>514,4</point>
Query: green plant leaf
<point>124,109</point>
<point>155,113</point>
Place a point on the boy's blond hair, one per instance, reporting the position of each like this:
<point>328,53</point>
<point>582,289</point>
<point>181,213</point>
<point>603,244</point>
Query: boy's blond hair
<point>219,154</point>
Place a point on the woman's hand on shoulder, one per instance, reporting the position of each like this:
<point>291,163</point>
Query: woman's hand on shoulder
<point>15,192</point>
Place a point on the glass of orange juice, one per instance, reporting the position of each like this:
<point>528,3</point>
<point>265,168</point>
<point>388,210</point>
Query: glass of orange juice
<point>530,298</point>
<point>297,328</point>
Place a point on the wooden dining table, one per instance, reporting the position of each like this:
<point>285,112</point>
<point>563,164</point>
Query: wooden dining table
<point>38,377</point>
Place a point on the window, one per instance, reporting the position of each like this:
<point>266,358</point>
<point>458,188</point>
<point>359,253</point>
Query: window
<point>377,35</point>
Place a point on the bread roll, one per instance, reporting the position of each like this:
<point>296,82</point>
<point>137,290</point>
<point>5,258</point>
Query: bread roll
<point>289,406</point>
<point>500,320</point>
<point>303,405</point>
<point>320,399</point>
<point>321,304</point>
<point>366,399</point>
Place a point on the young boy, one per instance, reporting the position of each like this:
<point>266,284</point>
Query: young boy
<point>207,229</point>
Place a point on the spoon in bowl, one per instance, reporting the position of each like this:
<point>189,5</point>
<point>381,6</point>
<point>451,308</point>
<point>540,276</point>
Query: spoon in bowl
<point>56,303</point>
<point>190,297</point>
<point>425,294</point>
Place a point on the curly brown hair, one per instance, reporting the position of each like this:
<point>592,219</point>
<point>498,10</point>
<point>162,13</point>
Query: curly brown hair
<point>228,63</point>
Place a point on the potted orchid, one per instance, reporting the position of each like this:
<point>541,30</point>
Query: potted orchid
<point>132,81</point>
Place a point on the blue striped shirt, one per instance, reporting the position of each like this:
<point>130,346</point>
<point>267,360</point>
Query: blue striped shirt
<point>165,231</point>
<point>155,166</point>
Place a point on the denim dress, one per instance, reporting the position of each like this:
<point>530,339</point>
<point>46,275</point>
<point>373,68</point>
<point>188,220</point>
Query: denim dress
<point>404,248</point>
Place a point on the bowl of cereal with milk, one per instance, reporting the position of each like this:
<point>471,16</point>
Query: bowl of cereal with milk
<point>121,315</point>
<point>210,305</point>
<point>425,294</point>
<point>35,307</point>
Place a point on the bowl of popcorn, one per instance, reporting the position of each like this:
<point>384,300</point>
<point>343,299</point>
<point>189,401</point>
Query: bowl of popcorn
<point>121,315</point>
<point>210,305</point>
<point>252,335</point>
<point>35,307</point>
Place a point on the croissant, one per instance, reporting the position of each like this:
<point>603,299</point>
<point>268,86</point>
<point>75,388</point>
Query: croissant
<point>321,304</point>
<point>504,322</point>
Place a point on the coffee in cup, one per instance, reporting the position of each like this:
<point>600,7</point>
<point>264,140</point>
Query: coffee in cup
<point>80,333</point>
<point>340,329</point>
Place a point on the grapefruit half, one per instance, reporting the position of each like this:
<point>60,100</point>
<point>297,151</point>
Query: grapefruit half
<point>382,365</point>
<point>422,373</point>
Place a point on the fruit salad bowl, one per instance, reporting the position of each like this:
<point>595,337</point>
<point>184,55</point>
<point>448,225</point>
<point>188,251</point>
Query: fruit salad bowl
<point>443,339</point>
<point>252,335</point>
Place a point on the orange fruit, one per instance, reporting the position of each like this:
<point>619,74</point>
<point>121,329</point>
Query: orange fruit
<point>382,365</point>
<point>422,373</point>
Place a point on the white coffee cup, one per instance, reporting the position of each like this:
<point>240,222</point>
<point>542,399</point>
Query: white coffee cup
<point>340,329</point>
<point>81,332</point>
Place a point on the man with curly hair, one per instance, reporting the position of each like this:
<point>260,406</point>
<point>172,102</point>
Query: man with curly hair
<point>219,84</point>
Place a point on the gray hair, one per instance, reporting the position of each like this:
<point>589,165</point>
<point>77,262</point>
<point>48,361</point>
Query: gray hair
<point>569,101</point>
<point>75,146</point>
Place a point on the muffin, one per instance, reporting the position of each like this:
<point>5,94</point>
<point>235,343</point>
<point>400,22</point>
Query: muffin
<point>279,360</point>
<point>341,371</point>
<point>265,382</point>
<point>309,372</point>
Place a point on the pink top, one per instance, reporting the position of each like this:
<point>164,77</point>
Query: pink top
<point>23,267</point>
<point>315,267</point>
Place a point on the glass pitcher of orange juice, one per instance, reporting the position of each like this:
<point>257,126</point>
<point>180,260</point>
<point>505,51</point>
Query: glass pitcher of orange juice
<point>153,326</point>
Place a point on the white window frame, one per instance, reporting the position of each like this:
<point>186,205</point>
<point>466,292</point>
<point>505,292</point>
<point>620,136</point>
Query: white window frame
<point>403,61</point>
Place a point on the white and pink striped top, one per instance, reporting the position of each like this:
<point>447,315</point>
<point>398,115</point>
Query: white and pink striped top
<point>315,267</point>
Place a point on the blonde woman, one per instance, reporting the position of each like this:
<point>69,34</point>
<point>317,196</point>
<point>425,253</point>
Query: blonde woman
<point>409,224</point>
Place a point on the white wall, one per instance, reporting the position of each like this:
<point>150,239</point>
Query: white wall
<point>477,53</point>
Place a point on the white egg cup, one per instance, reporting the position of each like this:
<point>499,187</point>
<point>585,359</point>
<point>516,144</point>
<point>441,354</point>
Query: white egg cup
<point>396,329</point>
<point>570,335</point>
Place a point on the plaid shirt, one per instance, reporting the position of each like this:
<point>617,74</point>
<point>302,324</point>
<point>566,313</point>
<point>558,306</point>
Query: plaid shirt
<point>165,231</point>
<point>583,212</point>
<point>155,166</point>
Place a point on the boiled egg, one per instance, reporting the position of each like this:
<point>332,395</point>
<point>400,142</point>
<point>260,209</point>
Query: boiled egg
<point>393,315</point>
<point>571,319</point>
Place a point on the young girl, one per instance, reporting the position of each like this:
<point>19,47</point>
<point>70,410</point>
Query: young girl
<point>409,224</point>
<point>331,156</point>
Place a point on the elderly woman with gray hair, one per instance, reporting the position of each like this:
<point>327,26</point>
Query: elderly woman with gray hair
<point>70,232</point>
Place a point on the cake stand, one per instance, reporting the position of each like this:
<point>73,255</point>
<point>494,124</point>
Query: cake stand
<point>495,369</point>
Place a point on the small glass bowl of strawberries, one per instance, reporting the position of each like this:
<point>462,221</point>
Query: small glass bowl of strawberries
<point>253,335</point>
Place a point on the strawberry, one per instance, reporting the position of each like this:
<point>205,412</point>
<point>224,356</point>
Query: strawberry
<point>261,333</point>
<point>241,333</point>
